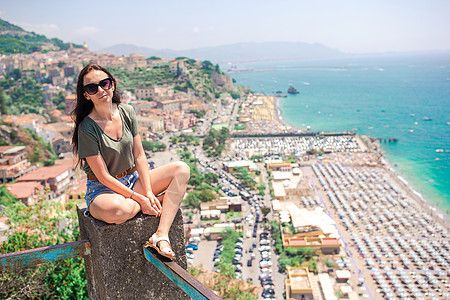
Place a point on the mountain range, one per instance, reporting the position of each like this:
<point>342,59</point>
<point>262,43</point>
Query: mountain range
<point>13,39</point>
<point>239,52</point>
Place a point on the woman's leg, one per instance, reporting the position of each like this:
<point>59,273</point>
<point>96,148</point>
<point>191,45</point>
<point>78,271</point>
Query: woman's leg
<point>113,208</point>
<point>171,178</point>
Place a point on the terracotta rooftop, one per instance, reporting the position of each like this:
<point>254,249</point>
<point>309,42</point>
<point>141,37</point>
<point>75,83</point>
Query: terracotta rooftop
<point>23,189</point>
<point>45,173</point>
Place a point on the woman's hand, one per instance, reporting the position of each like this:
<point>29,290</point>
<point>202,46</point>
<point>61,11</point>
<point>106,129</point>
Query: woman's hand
<point>150,205</point>
<point>156,204</point>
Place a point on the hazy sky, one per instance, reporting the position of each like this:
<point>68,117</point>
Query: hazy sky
<point>354,26</point>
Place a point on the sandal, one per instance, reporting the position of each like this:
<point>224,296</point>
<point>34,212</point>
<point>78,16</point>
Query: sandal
<point>153,243</point>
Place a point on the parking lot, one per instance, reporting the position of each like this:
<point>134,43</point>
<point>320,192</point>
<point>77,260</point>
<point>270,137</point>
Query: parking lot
<point>255,259</point>
<point>255,256</point>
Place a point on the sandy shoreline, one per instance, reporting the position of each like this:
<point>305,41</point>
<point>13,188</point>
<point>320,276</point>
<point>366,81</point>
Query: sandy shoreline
<point>390,236</point>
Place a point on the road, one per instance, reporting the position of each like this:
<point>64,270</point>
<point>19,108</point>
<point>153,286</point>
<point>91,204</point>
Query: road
<point>204,255</point>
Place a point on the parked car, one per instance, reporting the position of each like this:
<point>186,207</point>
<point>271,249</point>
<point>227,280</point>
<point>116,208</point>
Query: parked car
<point>265,263</point>
<point>249,263</point>
<point>268,293</point>
<point>264,247</point>
<point>195,247</point>
<point>267,282</point>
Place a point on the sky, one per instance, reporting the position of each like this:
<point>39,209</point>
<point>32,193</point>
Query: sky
<point>351,26</point>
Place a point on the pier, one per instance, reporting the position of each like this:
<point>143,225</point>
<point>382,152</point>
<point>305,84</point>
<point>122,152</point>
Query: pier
<point>388,140</point>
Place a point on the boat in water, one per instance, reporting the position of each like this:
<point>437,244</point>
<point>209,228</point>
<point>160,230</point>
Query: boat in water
<point>292,90</point>
<point>280,94</point>
<point>426,119</point>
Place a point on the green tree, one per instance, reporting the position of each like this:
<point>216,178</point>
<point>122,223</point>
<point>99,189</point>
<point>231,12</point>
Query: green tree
<point>207,66</point>
<point>3,104</point>
<point>226,269</point>
<point>235,95</point>
<point>193,199</point>
<point>153,146</point>
<point>35,156</point>
<point>207,195</point>
<point>211,178</point>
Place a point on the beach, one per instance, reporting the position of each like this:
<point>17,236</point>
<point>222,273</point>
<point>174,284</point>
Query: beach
<point>396,243</point>
<point>401,97</point>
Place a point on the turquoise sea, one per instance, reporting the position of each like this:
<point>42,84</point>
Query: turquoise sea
<point>384,97</point>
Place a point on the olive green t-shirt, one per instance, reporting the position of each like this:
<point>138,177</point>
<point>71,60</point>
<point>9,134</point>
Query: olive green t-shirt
<point>117,154</point>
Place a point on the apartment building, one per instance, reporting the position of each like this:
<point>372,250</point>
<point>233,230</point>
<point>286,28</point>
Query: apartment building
<point>58,177</point>
<point>171,106</point>
<point>153,123</point>
<point>155,92</point>
<point>13,163</point>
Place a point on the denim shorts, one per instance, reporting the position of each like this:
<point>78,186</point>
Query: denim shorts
<point>95,187</point>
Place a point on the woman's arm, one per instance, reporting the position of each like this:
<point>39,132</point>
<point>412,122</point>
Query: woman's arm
<point>143,170</point>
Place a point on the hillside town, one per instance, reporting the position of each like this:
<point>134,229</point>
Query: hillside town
<point>319,216</point>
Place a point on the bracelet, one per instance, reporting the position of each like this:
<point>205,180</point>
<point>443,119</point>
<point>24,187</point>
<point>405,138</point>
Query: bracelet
<point>131,197</point>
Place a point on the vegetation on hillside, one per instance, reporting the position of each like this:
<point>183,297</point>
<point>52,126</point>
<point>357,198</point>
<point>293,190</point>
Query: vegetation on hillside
<point>45,223</point>
<point>17,40</point>
<point>38,151</point>
<point>5,26</point>
<point>22,94</point>
<point>196,76</point>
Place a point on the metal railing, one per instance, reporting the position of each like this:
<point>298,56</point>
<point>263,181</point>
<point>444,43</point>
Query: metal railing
<point>32,257</point>
<point>27,258</point>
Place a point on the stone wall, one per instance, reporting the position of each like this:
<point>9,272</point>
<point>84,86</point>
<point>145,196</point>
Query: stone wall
<point>117,268</point>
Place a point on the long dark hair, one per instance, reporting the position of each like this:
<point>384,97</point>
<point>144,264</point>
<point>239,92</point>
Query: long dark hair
<point>84,106</point>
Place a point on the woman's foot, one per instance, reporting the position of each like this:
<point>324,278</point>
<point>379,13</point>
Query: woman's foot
<point>161,245</point>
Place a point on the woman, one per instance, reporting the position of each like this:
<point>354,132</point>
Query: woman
<point>109,148</point>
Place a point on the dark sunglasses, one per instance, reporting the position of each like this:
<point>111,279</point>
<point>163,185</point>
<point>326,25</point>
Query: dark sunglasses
<point>92,88</point>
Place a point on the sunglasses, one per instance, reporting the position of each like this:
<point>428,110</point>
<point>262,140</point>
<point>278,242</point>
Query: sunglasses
<point>92,88</point>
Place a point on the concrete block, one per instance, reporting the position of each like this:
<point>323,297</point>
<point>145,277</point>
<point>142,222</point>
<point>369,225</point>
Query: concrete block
<point>117,268</point>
